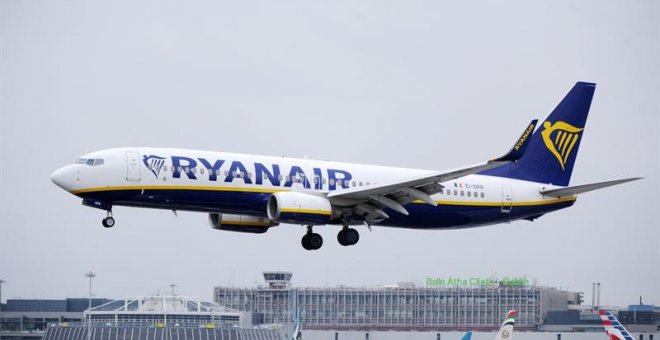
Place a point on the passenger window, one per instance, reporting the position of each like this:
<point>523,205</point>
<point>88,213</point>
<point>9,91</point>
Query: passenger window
<point>482,195</point>
<point>187,170</point>
<point>455,192</point>
<point>217,172</point>
<point>462,193</point>
<point>324,181</point>
<point>360,183</point>
<point>469,193</point>
<point>353,183</point>
<point>165,168</point>
<point>316,180</point>
<point>287,178</point>
<point>201,171</point>
<point>194,170</point>
<point>339,183</point>
<point>279,177</point>
<point>249,175</point>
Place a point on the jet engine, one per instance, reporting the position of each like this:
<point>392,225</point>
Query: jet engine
<point>300,208</point>
<point>240,223</point>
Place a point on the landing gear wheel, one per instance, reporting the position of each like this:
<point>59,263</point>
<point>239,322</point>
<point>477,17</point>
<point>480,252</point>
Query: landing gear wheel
<point>315,241</point>
<point>348,237</point>
<point>108,222</point>
<point>305,243</point>
<point>311,240</point>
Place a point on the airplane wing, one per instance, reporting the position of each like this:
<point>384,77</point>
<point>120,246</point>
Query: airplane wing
<point>579,189</point>
<point>369,202</point>
<point>613,328</point>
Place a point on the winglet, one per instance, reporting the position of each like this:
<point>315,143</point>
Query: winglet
<point>518,149</point>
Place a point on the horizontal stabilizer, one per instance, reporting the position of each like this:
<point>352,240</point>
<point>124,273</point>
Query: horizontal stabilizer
<point>579,189</point>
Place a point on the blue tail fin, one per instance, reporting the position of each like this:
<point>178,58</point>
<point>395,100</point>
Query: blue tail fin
<point>554,146</point>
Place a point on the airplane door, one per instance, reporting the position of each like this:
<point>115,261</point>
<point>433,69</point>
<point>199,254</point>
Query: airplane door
<point>298,183</point>
<point>507,199</point>
<point>132,166</point>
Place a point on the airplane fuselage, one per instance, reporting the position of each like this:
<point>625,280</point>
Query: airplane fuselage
<point>218,182</point>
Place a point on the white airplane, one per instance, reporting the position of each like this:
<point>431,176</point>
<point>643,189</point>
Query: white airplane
<point>248,193</point>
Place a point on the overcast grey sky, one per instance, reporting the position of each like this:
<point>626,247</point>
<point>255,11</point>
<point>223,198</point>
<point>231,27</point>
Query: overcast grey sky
<point>425,84</point>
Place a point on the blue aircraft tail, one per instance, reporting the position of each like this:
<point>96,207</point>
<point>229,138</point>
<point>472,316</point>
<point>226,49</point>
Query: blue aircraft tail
<point>552,151</point>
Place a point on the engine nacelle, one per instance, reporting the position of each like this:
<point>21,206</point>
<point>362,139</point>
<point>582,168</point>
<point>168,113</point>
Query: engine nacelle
<point>299,208</point>
<point>240,223</point>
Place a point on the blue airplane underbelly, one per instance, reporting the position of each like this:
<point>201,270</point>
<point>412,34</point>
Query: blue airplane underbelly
<point>424,216</point>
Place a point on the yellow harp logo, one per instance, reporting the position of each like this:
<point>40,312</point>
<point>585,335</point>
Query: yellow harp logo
<point>563,141</point>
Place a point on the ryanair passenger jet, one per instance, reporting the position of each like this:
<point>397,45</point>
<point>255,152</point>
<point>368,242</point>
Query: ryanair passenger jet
<point>248,193</point>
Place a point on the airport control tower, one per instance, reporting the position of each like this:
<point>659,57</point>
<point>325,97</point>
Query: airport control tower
<point>278,280</point>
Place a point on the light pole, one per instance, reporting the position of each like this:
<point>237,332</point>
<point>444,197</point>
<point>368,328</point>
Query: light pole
<point>172,285</point>
<point>90,275</point>
<point>1,282</point>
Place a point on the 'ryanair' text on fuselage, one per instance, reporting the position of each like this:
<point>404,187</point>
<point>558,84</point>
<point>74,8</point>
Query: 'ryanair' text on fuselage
<point>264,174</point>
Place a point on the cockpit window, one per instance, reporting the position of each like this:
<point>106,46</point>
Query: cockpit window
<point>89,161</point>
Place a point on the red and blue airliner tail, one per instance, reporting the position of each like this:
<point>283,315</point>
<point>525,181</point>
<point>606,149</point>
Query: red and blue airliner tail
<point>613,328</point>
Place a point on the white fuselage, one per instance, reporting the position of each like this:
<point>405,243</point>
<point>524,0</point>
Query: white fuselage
<point>240,184</point>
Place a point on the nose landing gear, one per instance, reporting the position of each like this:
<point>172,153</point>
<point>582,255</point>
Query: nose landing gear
<point>109,221</point>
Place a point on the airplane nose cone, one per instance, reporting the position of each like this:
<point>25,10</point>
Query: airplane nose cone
<point>62,177</point>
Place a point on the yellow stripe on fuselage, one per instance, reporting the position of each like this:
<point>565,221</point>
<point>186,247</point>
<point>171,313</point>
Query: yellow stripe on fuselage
<point>499,204</point>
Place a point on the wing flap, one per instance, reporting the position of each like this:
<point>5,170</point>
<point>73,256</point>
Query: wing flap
<point>580,189</point>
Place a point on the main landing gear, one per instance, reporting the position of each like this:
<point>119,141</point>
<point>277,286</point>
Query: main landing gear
<point>311,240</point>
<point>348,236</point>
<point>109,221</point>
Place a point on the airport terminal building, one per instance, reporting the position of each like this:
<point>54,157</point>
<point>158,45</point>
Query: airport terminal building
<point>142,317</point>
<point>404,306</point>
